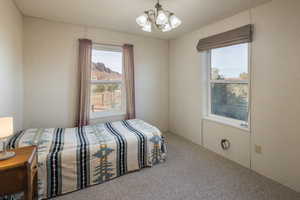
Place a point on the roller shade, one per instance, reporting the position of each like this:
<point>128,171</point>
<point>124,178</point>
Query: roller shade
<point>232,37</point>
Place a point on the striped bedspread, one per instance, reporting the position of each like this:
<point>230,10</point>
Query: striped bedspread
<point>70,159</point>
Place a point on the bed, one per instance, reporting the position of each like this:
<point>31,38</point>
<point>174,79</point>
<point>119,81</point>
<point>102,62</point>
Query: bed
<point>70,159</point>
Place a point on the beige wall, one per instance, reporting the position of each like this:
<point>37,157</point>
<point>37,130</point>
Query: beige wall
<point>50,57</point>
<point>275,92</point>
<point>11,91</point>
<point>50,51</point>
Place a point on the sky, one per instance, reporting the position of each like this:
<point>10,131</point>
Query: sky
<point>111,59</point>
<point>222,59</point>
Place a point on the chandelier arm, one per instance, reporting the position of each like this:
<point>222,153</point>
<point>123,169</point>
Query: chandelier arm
<point>151,15</point>
<point>151,11</point>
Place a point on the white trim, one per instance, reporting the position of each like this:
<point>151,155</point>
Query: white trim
<point>226,120</point>
<point>103,47</point>
<point>249,84</point>
<point>106,81</point>
<point>110,113</point>
<point>230,81</point>
<point>208,83</point>
<point>106,114</point>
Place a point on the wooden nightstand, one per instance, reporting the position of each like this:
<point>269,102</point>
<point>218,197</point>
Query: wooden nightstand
<point>20,173</point>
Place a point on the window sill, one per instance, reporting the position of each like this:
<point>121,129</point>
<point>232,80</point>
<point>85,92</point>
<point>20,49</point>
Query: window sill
<point>227,123</point>
<point>101,115</point>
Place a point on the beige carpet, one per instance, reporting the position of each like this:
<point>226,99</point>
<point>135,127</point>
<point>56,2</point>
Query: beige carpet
<point>190,172</point>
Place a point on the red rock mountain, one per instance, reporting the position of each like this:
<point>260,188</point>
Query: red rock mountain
<point>101,72</point>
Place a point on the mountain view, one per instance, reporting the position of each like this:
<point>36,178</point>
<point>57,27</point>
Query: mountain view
<point>101,72</point>
<point>105,96</point>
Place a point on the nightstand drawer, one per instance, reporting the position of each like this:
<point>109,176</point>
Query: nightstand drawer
<point>16,177</point>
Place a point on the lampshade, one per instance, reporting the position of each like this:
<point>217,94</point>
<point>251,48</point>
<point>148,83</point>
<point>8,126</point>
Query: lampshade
<point>162,18</point>
<point>6,127</point>
<point>142,20</point>
<point>147,26</point>
<point>175,22</point>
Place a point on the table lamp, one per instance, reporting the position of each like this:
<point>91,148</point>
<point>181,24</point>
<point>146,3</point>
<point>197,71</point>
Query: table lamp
<point>6,130</point>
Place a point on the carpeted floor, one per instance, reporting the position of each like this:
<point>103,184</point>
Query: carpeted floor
<point>190,173</point>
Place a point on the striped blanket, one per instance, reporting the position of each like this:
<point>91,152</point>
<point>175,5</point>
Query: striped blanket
<point>70,159</point>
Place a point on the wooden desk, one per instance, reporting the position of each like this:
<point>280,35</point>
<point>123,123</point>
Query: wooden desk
<point>20,173</point>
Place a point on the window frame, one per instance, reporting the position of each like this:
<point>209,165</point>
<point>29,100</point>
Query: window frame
<point>110,113</point>
<point>245,125</point>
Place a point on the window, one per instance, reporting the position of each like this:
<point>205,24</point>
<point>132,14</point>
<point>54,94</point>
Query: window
<point>107,86</point>
<point>228,84</point>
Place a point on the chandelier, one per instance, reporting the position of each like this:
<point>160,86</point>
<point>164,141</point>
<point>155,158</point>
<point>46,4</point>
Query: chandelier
<point>162,19</point>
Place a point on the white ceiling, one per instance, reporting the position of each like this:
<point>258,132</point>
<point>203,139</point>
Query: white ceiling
<point>119,15</point>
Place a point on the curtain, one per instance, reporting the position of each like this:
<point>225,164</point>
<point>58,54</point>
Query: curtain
<point>128,68</point>
<point>84,65</point>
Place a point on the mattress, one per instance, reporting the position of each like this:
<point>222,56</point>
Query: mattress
<point>70,159</point>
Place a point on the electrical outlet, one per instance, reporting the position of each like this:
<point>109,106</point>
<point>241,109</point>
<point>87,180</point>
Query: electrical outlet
<point>258,149</point>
